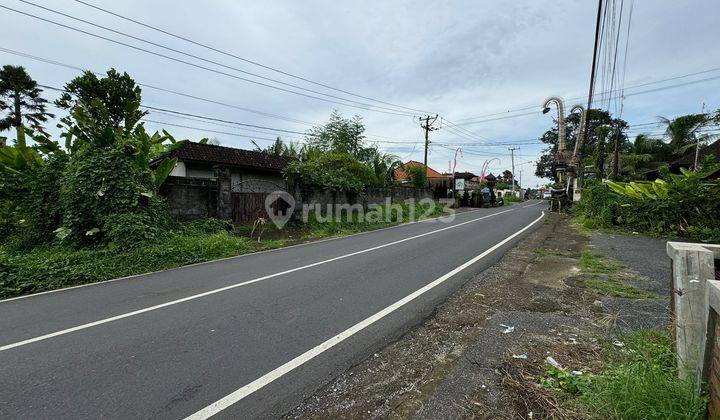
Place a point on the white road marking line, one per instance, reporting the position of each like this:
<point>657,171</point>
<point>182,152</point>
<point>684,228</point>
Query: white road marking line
<point>97,283</point>
<point>278,372</point>
<point>535,204</point>
<point>233,286</point>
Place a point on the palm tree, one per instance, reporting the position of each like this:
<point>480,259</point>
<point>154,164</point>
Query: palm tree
<point>682,130</point>
<point>384,166</point>
<point>21,102</point>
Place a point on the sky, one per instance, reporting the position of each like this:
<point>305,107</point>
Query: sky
<point>459,59</point>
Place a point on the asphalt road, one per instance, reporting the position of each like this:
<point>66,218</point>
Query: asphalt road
<point>249,336</point>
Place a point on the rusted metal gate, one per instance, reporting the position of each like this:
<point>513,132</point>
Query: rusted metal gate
<point>248,206</point>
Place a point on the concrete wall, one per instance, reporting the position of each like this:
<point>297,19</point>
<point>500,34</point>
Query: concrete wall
<point>365,198</point>
<point>254,181</point>
<point>711,374</point>
<point>190,198</point>
<point>199,171</point>
<point>179,169</point>
<point>197,197</point>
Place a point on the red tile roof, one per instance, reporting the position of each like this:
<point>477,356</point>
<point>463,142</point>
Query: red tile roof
<point>401,174</point>
<point>230,156</point>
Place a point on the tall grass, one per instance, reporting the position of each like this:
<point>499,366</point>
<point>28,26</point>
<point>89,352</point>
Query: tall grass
<point>641,382</point>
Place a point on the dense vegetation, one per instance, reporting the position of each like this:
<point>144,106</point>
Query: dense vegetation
<point>635,158</point>
<point>335,157</point>
<point>685,205</point>
<point>86,208</point>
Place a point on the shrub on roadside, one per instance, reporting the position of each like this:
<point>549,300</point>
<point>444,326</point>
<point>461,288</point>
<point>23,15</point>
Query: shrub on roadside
<point>208,225</point>
<point>683,205</point>
<point>50,268</point>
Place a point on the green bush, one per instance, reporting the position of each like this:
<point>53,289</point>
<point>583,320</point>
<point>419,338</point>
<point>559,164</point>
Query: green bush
<point>97,184</point>
<point>333,170</point>
<point>682,205</point>
<point>511,198</point>
<point>208,225</point>
<point>125,231</point>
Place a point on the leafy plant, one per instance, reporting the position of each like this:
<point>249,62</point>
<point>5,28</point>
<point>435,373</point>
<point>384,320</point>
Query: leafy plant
<point>681,205</point>
<point>560,380</point>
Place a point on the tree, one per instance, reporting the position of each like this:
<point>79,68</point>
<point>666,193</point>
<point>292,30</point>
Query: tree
<point>279,148</point>
<point>21,102</point>
<point>109,189</point>
<point>599,153</point>
<point>384,166</point>
<point>547,165</point>
<point>340,135</point>
<point>417,174</point>
<point>682,132</point>
<point>331,170</point>
<point>105,99</point>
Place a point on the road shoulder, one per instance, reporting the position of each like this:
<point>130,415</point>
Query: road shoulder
<point>482,353</point>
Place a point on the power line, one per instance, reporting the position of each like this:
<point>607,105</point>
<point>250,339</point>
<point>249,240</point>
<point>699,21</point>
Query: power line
<point>226,123</point>
<point>523,108</point>
<point>255,63</point>
<point>195,56</point>
<point>161,89</point>
<point>659,89</point>
<point>208,130</point>
<point>199,66</point>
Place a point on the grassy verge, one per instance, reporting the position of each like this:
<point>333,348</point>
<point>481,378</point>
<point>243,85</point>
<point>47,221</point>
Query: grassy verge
<point>640,380</point>
<point>603,277</point>
<point>53,267</point>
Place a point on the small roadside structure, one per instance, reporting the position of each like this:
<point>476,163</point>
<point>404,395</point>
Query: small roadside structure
<point>224,182</point>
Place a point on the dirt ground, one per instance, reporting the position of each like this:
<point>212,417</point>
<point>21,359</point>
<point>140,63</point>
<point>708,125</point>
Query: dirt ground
<point>483,352</point>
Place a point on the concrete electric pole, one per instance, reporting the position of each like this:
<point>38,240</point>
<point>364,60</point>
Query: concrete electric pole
<point>512,162</point>
<point>429,121</point>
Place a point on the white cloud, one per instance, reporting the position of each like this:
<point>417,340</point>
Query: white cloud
<point>458,58</point>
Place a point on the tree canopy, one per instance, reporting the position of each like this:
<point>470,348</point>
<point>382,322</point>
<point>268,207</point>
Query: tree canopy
<point>105,99</point>
<point>21,101</point>
<point>547,165</point>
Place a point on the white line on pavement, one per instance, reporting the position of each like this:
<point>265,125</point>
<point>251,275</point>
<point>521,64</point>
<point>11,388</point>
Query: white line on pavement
<point>534,204</point>
<point>233,286</point>
<point>278,372</point>
<point>250,254</point>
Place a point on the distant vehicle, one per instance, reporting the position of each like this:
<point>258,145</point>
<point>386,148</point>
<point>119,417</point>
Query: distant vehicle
<point>546,195</point>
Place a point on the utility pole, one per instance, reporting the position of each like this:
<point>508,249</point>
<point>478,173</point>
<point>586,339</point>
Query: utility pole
<point>512,160</point>
<point>580,171</point>
<point>697,144</point>
<point>429,121</point>
<point>520,184</point>
<point>616,156</point>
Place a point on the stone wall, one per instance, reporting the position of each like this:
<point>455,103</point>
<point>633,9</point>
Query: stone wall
<point>713,376</point>
<point>191,198</point>
<point>365,198</point>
